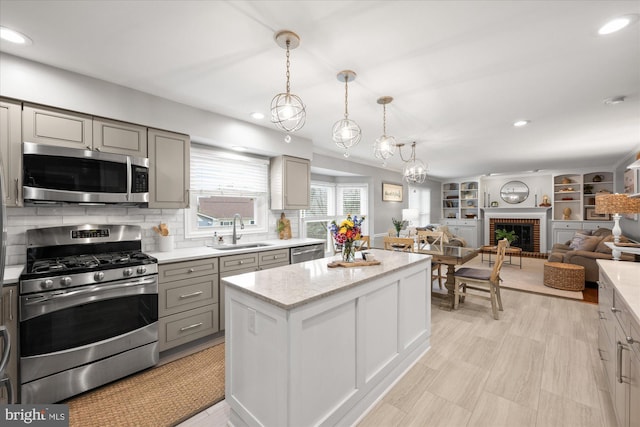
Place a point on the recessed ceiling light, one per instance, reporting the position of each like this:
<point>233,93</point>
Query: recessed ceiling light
<point>617,24</point>
<point>520,123</point>
<point>14,36</point>
<point>257,116</point>
<point>614,100</point>
<point>238,148</point>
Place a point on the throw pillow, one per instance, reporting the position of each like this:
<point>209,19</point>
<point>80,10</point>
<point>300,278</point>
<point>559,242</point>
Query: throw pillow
<point>581,242</point>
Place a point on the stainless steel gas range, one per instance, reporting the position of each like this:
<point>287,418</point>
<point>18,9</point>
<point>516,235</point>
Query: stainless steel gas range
<point>88,309</point>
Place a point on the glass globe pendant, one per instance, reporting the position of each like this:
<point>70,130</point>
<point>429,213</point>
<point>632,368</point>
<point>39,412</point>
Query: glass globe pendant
<point>385,146</point>
<point>414,171</point>
<point>346,132</point>
<point>287,110</point>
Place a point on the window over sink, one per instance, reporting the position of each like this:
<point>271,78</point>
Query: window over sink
<point>223,184</point>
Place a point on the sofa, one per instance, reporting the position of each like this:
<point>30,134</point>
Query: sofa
<point>585,248</point>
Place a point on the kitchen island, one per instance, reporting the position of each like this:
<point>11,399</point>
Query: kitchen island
<point>307,344</point>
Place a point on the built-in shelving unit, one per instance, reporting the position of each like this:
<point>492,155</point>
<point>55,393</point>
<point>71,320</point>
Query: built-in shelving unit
<point>574,195</point>
<point>460,200</point>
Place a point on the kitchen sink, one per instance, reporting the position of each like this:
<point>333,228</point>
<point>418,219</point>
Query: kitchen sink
<point>241,246</point>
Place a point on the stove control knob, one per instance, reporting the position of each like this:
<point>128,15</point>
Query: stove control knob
<point>127,272</point>
<point>65,281</point>
<point>142,269</point>
<point>98,276</point>
<point>46,284</point>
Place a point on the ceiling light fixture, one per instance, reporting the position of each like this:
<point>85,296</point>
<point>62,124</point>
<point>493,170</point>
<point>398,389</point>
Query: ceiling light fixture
<point>520,123</point>
<point>617,24</point>
<point>14,36</point>
<point>257,115</point>
<point>287,110</point>
<point>385,146</point>
<point>346,132</point>
<point>415,171</point>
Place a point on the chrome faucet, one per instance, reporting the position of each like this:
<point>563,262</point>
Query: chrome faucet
<point>235,237</point>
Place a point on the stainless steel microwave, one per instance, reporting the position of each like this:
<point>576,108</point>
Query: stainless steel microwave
<point>53,174</point>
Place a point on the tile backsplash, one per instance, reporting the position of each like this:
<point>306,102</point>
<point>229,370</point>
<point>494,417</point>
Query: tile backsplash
<point>19,220</point>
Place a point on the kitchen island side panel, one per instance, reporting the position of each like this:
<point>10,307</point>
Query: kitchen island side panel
<point>328,361</point>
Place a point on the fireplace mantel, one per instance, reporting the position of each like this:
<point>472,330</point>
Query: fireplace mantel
<point>506,213</point>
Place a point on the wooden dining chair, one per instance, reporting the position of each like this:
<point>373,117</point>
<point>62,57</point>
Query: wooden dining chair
<point>428,237</point>
<point>364,243</point>
<point>481,279</point>
<point>404,244</point>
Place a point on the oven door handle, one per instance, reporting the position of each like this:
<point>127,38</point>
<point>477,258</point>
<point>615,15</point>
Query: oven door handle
<point>39,304</point>
<point>6,348</point>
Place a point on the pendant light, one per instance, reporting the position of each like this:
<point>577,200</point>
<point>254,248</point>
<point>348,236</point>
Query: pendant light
<point>346,132</point>
<point>385,146</point>
<point>287,110</point>
<point>415,171</point>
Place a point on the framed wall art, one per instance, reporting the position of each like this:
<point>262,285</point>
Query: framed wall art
<point>592,215</point>
<point>391,192</point>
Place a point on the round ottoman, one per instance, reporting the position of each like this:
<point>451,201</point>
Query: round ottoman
<point>568,277</point>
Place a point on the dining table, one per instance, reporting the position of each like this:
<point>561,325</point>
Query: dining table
<point>449,256</point>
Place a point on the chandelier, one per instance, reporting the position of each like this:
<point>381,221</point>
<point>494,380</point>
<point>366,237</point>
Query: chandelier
<point>346,132</point>
<point>385,146</point>
<point>287,110</point>
<point>414,171</point>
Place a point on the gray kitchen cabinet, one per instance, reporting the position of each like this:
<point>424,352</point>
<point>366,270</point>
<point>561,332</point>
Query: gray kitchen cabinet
<point>188,304</point>
<point>111,136</point>
<point>51,126</point>
<point>290,183</point>
<point>619,349</point>
<point>11,150</point>
<point>9,316</point>
<point>168,169</point>
<point>248,263</point>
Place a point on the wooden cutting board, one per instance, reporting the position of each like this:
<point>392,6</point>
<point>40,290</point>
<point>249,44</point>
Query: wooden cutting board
<point>334,264</point>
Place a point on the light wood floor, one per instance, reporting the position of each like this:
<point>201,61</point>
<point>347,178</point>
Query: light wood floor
<point>537,366</point>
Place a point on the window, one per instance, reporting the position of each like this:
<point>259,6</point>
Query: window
<point>333,202</point>
<point>420,199</point>
<point>224,184</point>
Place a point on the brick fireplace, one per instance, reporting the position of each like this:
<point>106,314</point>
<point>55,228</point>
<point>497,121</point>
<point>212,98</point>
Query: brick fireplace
<point>527,230</point>
<point>531,222</point>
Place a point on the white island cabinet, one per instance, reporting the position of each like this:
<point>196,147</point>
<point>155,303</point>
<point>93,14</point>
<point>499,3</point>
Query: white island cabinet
<point>311,345</point>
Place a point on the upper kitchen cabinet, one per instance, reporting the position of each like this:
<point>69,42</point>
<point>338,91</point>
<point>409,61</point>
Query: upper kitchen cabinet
<point>68,129</point>
<point>11,151</point>
<point>290,183</point>
<point>111,136</point>
<point>57,127</point>
<point>168,169</point>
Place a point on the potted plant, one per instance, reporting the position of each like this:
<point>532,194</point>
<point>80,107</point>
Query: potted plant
<point>504,234</point>
<point>398,225</point>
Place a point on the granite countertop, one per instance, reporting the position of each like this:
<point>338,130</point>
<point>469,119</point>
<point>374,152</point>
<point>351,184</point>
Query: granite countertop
<point>294,285</point>
<point>187,254</point>
<point>625,276</point>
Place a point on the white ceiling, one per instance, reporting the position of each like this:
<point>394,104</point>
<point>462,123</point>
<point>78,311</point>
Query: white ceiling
<point>460,72</point>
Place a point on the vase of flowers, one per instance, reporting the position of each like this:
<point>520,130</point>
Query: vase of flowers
<point>345,234</point>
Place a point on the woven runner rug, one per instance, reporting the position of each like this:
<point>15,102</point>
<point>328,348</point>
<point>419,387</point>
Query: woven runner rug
<point>161,396</point>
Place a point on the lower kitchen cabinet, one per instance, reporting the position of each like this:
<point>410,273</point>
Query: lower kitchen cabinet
<point>188,301</point>
<point>248,263</point>
<point>9,318</point>
<point>619,349</point>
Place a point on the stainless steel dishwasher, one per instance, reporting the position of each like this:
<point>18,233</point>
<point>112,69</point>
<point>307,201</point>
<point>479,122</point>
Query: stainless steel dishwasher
<point>307,252</point>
